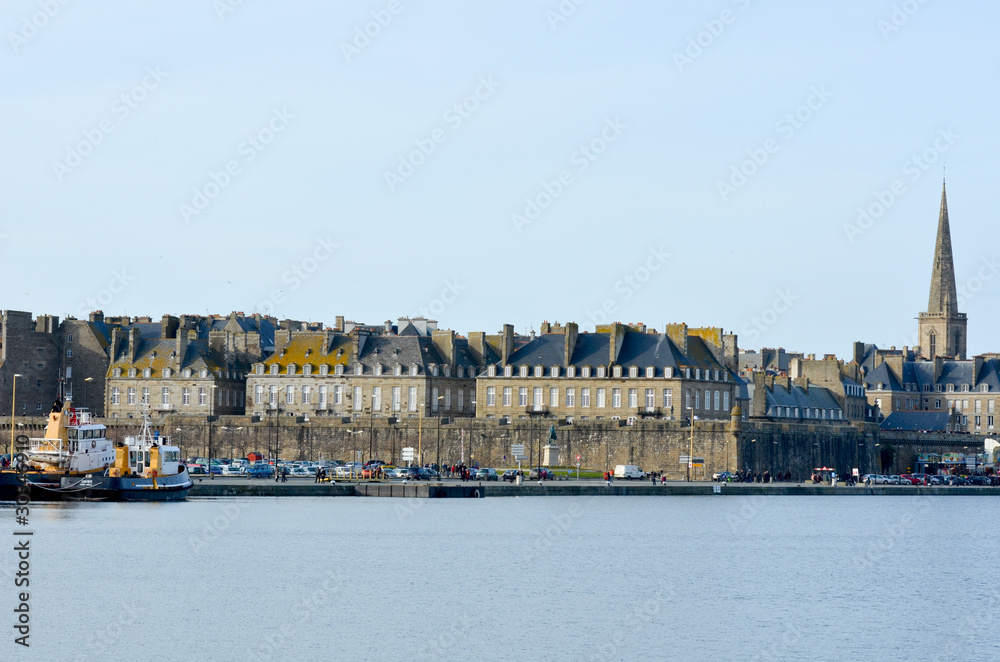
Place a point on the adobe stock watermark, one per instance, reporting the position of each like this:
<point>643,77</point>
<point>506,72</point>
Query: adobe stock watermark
<point>973,285</point>
<point>580,160</point>
<point>213,529</point>
<point>454,117</point>
<point>223,7</point>
<point>562,12</point>
<point>364,34</point>
<point>121,108</point>
<point>116,285</point>
<point>298,273</point>
<point>449,294</point>
<point>913,169</point>
<point>703,39</point>
<point>899,16</point>
<point>103,641</point>
<point>250,148</point>
<point>759,324</point>
<point>630,283</point>
<point>443,646</point>
<point>32,25</point>
<point>786,127</point>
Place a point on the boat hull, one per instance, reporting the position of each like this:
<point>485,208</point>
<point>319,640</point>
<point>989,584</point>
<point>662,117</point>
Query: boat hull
<point>42,486</point>
<point>108,488</point>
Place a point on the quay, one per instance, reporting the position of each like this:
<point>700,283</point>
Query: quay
<point>234,487</point>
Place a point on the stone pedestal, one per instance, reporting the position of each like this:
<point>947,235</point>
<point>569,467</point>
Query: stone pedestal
<point>550,455</point>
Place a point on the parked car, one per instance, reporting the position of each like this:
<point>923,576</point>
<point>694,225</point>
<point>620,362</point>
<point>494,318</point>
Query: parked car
<point>510,475</point>
<point>541,474</point>
<point>487,474</point>
<point>629,471</point>
<point>910,479</point>
<point>232,470</point>
<point>196,470</point>
<point>260,471</point>
<point>428,474</point>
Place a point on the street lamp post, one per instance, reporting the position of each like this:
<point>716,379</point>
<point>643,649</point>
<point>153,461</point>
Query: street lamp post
<point>690,446</point>
<point>211,409</point>
<point>86,392</point>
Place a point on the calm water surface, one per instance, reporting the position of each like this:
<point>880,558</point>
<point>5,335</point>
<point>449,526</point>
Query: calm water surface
<point>558,578</point>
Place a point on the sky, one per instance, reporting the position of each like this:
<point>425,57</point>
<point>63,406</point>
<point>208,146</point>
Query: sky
<point>771,168</point>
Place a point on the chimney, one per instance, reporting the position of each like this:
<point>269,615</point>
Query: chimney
<point>477,345</point>
<point>338,324</point>
<point>506,343</point>
<point>324,350</point>
<point>281,338</point>
<point>977,362</point>
<point>572,331</point>
<point>678,335</point>
<point>388,327</point>
<point>444,342</point>
<point>616,335</point>
<point>759,404</point>
<point>859,352</point>
<point>168,327</point>
<point>181,349</point>
<point>545,328</point>
<point>803,383</point>
<point>133,344</point>
<point>97,316</point>
<point>116,333</point>
<point>359,338</point>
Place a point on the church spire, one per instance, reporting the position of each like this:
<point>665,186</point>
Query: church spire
<point>944,293</point>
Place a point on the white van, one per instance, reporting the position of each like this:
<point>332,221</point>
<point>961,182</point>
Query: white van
<point>629,471</point>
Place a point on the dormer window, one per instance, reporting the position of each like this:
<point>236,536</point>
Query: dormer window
<point>447,371</point>
<point>985,388</point>
<point>965,388</point>
<point>617,371</point>
<point>586,371</point>
<point>716,375</point>
<point>131,372</point>
<point>633,371</point>
<point>397,370</point>
<point>434,370</point>
<point>650,372</point>
<point>571,371</point>
<point>491,371</point>
<point>951,388</point>
<point>290,370</point>
<point>259,370</point>
<point>878,386</point>
<point>697,373</point>
<point>307,369</point>
<point>523,371</point>
<point>378,370</point>
<point>508,371</point>
<point>359,369</point>
<point>117,372</point>
<point>414,370</point>
<point>687,373</point>
<point>601,371</point>
<point>167,372</point>
<point>324,369</point>
<point>204,373</point>
<point>338,371</point>
<point>554,371</point>
<point>187,373</point>
<point>274,368</point>
<point>460,372</point>
<point>147,372</point>
<point>668,373</point>
<point>539,371</point>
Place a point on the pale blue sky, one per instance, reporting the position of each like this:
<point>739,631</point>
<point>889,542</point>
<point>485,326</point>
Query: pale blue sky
<point>441,239</point>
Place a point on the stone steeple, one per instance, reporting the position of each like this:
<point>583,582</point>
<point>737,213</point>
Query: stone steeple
<point>942,328</point>
<point>944,296</point>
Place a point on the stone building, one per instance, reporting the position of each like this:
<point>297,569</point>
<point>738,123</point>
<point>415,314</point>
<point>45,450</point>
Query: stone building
<point>843,380</point>
<point>188,365</point>
<point>784,399</point>
<point>29,348</point>
<point>942,329</point>
<point>84,360</point>
<point>619,372</point>
<point>415,372</point>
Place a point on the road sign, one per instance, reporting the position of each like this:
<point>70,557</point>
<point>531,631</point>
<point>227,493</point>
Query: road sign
<point>577,458</point>
<point>409,453</point>
<point>517,449</point>
<point>684,459</point>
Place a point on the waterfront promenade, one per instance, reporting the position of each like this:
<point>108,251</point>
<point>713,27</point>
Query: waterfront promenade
<point>454,488</point>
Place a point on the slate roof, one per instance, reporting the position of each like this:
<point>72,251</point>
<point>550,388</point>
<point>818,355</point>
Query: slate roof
<point>916,421</point>
<point>797,396</point>
<point>593,349</point>
<point>156,355</point>
<point>882,375</point>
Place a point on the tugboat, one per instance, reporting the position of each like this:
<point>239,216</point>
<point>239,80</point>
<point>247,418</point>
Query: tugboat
<point>74,446</point>
<point>145,467</point>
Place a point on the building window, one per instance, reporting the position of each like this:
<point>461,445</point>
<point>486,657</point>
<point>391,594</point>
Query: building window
<point>289,395</point>
<point>323,394</point>
<point>668,399</point>
<point>69,337</point>
<point>338,395</point>
<point>359,369</point>
<point>523,371</point>
<point>571,371</point>
<point>397,370</point>
<point>554,371</point>
<point>718,397</point>
<point>508,370</point>
<point>585,373</point>
<point>989,422</point>
<point>165,395</point>
<point>491,371</point>
<point>585,397</point>
<point>491,396</point>
<point>616,397</point>
<point>687,373</point>
<point>411,401</point>
<point>697,399</point>
<point>185,396</point>
<point>617,371</point>
<point>461,399</point>
<point>506,396</point>
<point>274,368</point>
<point>650,372</point>
<point>258,395</point>
<point>725,401</point>
<point>536,398</point>
<point>687,399</point>
<point>633,397</point>
<point>338,370</point>
<point>358,402</point>
<point>397,397</point>
<point>650,399</point>
<point>306,395</point>
<point>522,396</point>
<point>539,371</point>
<point>668,373</point>
<point>601,371</point>
<point>601,398</point>
<point>571,397</point>
<point>697,373</point>
<point>447,399</point>
<point>273,396</point>
<point>376,399</point>
<point>378,370</point>
<point>553,397</point>
<point>69,353</point>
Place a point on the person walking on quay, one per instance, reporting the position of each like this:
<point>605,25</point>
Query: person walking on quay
<point>277,474</point>
<point>317,474</point>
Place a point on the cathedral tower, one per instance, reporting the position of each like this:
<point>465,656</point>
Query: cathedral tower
<point>942,328</point>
